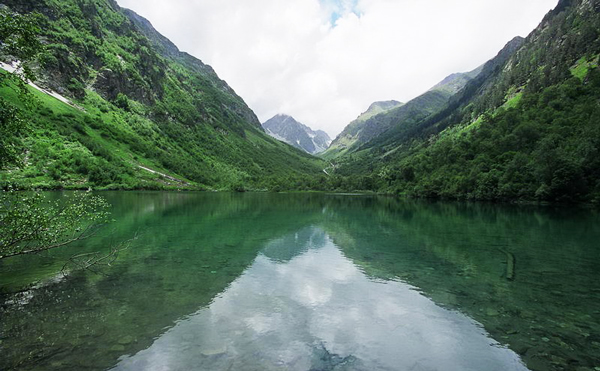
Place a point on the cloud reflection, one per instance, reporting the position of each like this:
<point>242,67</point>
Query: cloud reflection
<point>316,310</point>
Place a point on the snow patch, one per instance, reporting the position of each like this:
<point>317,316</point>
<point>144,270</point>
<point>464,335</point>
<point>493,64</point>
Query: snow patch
<point>14,67</point>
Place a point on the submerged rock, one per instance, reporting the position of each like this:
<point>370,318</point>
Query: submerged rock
<point>491,312</point>
<point>117,348</point>
<point>127,339</point>
<point>214,351</point>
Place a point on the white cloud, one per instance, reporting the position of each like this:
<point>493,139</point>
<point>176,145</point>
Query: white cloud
<point>288,57</point>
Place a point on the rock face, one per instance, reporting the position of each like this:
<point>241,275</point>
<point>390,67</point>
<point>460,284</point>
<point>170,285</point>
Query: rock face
<point>287,129</point>
<point>124,54</point>
<point>163,107</point>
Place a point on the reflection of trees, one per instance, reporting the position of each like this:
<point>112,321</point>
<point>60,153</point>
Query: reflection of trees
<point>191,246</point>
<point>457,254</point>
<point>285,248</point>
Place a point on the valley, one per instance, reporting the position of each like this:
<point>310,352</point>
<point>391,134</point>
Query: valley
<point>456,229</point>
<point>481,135</point>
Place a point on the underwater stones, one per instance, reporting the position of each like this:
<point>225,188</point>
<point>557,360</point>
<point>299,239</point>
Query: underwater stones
<point>117,348</point>
<point>491,312</point>
<point>526,314</point>
<point>214,351</point>
<point>125,340</point>
<point>536,358</point>
<point>520,348</point>
<point>74,342</point>
<point>93,303</point>
<point>57,364</point>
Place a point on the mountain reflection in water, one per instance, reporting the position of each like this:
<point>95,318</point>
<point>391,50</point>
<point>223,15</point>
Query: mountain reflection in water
<point>254,281</point>
<point>302,305</point>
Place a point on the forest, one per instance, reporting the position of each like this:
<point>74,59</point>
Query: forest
<point>143,115</point>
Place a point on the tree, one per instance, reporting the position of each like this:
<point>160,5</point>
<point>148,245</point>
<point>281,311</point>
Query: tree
<point>18,40</point>
<point>30,223</point>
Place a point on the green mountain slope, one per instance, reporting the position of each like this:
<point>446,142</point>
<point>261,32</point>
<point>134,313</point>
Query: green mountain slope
<point>144,114</point>
<point>526,128</point>
<point>382,118</point>
<point>457,89</point>
<point>352,134</point>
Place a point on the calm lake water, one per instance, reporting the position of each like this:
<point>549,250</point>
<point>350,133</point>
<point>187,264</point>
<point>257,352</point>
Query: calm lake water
<point>312,282</point>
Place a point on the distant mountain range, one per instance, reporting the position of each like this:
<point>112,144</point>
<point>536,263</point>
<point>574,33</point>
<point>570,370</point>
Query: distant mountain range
<point>522,127</point>
<point>382,116</point>
<point>286,129</point>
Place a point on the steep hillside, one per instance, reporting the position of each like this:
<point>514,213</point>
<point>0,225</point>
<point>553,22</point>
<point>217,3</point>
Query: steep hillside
<point>384,117</point>
<point>287,129</point>
<point>460,90</point>
<point>526,128</point>
<point>376,108</point>
<point>352,133</point>
<point>455,82</point>
<point>144,114</point>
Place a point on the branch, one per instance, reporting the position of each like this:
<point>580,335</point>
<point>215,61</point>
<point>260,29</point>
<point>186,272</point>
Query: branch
<point>82,236</point>
<point>89,261</point>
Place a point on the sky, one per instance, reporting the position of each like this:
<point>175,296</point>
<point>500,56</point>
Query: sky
<point>325,61</point>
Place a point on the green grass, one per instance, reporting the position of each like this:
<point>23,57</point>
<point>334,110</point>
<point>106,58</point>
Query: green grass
<point>65,144</point>
<point>582,67</point>
<point>513,101</point>
<point>160,109</point>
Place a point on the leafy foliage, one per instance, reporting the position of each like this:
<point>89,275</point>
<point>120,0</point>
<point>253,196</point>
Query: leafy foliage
<point>144,104</point>
<point>29,223</point>
<point>526,128</point>
<point>11,127</point>
<point>18,38</point>
<point>32,223</point>
<point>546,148</point>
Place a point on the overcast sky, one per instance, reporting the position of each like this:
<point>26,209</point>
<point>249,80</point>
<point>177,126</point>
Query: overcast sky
<point>325,61</point>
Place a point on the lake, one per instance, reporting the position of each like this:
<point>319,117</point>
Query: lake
<point>219,281</point>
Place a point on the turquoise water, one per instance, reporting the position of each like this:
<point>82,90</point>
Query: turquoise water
<point>312,282</point>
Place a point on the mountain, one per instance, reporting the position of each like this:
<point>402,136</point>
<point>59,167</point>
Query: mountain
<point>456,81</point>
<point>440,102</point>
<point>353,133</point>
<point>377,108</point>
<point>287,129</point>
<point>384,116</point>
<point>136,112</point>
<point>526,127</point>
